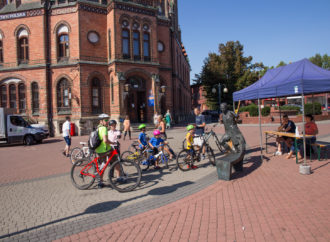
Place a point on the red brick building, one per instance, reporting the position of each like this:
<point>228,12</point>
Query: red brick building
<point>80,58</point>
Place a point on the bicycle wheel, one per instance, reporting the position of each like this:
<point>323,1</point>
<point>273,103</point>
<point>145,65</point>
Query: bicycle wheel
<point>127,155</point>
<point>76,154</point>
<point>129,178</point>
<point>210,155</point>
<point>83,179</point>
<point>184,160</point>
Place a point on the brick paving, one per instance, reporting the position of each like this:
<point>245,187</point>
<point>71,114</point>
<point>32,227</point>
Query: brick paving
<point>268,201</point>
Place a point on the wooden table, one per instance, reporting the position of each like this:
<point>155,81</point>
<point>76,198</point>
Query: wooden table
<point>275,134</point>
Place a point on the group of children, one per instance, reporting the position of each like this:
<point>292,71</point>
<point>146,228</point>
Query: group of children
<point>156,143</point>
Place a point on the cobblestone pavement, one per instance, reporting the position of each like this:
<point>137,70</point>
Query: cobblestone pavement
<point>268,201</point>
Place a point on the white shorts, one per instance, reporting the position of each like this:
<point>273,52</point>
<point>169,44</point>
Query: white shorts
<point>198,141</point>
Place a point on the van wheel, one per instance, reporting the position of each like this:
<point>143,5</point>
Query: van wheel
<point>28,140</point>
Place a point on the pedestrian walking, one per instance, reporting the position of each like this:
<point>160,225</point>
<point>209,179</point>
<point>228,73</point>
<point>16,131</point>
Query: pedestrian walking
<point>168,119</point>
<point>127,127</point>
<point>156,120</point>
<point>66,136</point>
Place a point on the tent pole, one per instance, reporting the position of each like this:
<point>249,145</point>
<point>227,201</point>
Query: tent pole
<point>304,137</point>
<point>234,106</point>
<point>313,104</point>
<point>260,130</point>
<point>326,102</point>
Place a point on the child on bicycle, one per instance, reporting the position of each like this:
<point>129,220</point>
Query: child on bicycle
<point>190,141</point>
<point>154,143</point>
<point>142,140</point>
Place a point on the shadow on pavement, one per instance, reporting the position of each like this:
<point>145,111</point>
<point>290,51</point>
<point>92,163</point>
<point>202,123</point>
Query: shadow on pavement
<point>256,163</point>
<point>316,168</point>
<point>105,207</point>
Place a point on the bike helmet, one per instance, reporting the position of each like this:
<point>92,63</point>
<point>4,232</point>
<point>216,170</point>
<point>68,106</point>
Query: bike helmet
<point>142,126</point>
<point>190,127</point>
<point>103,116</point>
<point>112,122</point>
<point>156,132</point>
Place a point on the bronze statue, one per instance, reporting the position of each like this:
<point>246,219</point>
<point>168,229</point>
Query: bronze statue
<point>237,151</point>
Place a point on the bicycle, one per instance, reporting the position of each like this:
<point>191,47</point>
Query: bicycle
<point>144,160</point>
<point>136,156</point>
<point>186,158</point>
<point>207,136</point>
<point>84,172</point>
<point>78,153</point>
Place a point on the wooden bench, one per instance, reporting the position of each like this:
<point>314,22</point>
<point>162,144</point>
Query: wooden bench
<point>322,145</point>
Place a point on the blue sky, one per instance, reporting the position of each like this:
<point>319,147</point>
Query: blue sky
<point>270,31</point>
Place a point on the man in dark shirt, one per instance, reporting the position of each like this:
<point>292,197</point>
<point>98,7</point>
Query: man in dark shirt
<point>199,131</point>
<point>289,127</point>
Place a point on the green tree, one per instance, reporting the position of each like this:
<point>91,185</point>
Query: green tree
<point>321,61</point>
<point>282,63</point>
<point>250,76</point>
<point>225,68</point>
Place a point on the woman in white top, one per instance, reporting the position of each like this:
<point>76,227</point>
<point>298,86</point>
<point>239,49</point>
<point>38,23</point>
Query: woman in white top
<point>114,135</point>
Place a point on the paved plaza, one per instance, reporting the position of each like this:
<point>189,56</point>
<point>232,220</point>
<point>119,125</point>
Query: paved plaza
<point>269,201</point>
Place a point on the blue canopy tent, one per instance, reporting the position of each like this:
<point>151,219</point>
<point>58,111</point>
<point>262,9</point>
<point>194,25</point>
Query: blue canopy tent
<point>299,78</point>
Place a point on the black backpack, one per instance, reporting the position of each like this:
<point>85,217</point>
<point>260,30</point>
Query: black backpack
<point>94,140</point>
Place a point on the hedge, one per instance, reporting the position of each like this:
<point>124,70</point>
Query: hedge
<point>309,108</point>
<point>252,109</point>
<point>265,111</point>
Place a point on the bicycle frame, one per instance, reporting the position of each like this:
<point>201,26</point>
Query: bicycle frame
<point>89,165</point>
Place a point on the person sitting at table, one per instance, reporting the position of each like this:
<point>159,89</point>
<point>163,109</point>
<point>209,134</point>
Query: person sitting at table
<point>310,129</point>
<point>289,127</point>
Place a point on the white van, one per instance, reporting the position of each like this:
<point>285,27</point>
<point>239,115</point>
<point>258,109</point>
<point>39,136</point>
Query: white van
<point>14,129</point>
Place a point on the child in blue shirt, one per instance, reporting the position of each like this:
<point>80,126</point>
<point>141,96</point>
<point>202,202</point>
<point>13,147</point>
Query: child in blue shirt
<point>154,143</point>
<point>142,137</point>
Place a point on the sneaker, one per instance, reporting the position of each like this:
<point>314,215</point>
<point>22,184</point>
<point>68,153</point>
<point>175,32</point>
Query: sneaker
<point>121,180</point>
<point>192,167</point>
<point>203,157</point>
<point>100,185</point>
<point>157,168</point>
<point>278,153</point>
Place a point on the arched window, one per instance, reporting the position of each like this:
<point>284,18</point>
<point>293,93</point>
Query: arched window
<point>23,46</point>
<point>21,97</point>
<point>125,43</point>
<point>63,96</point>
<point>12,96</point>
<point>3,93</point>
<point>146,46</point>
<point>112,91</point>
<point>96,96</point>
<point>62,43</point>
<point>35,98</point>
<point>136,45</point>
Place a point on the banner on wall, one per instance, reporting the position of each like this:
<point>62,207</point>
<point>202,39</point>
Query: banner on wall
<point>151,100</point>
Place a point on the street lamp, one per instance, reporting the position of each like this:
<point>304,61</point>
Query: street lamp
<point>214,90</point>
